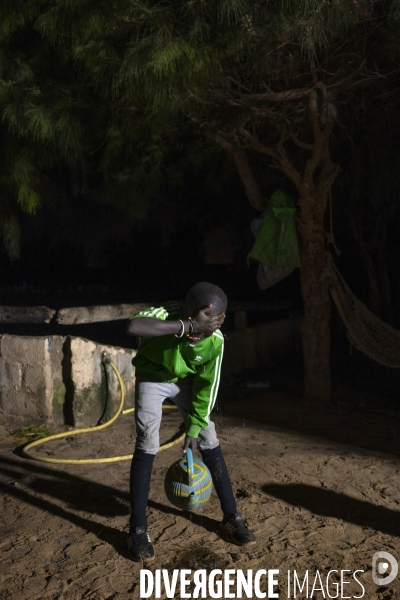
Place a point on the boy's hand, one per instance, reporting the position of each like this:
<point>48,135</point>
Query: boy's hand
<point>206,323</point>
<point>190,442</point>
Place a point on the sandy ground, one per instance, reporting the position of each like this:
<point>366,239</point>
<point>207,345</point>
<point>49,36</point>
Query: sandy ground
<point>321,489</point>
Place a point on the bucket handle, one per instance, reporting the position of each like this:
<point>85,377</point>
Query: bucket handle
<point>189,462</point>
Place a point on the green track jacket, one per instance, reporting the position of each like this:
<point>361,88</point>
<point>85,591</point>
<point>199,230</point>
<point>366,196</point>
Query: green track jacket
<point>167,359</point>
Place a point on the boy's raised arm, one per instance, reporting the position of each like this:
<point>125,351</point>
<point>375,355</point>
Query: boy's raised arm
<point>152,327</point>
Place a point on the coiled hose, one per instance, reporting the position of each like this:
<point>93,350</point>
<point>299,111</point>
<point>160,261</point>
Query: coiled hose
<point>81,461</point>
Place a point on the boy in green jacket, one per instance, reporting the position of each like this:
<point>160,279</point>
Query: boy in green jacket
<point>179,357</point>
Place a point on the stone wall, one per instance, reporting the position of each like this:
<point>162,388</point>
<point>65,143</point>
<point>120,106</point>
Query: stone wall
<point>95,385</point>
<point>57,380</point>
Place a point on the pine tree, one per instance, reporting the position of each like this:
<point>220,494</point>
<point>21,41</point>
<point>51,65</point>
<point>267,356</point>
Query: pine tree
<point>61,138</point>
<point>41,128</point>
<point>266,78</point>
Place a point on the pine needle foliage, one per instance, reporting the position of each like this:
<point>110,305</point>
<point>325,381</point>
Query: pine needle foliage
<point>210,65</point>
<point>172,57</point>
<point>110,88</point>
<point>47,116</point>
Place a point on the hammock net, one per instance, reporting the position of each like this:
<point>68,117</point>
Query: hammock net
<point>366,331</point>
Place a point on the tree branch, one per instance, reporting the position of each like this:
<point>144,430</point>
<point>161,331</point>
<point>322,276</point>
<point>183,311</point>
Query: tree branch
<point>286,164</point>
<point>279,153</point>
<point>239,155</point>
<point>301,144</point>
<point>322,126</point>
<point>313,107</point>
<point>254,144</point>
<point>278,96</point>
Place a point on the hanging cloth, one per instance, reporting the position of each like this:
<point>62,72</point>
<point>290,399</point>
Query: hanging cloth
<point>276,247</point>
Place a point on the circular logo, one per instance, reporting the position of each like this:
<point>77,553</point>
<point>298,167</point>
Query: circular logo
<point>382,567</point>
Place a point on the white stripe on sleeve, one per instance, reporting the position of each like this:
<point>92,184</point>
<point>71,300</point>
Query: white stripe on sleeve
<point>215,385</point>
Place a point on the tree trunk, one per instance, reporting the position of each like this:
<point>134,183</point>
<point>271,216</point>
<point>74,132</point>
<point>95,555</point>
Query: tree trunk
<point>315,328</point>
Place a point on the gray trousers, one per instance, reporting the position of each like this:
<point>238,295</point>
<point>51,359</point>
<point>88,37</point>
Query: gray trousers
<point>148,412</point>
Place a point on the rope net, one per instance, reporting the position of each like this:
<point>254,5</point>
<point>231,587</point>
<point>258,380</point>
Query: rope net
<point>366,331</point>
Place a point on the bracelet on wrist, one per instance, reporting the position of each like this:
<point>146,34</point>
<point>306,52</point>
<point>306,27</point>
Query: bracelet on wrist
<point>181,330</point>
<point>192,331</point>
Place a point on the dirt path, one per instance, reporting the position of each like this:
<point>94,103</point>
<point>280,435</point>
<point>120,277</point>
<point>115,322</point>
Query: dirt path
<point>314,505</point>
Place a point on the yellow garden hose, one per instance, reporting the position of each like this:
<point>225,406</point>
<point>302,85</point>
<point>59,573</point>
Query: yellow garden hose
<point>69,461</point>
